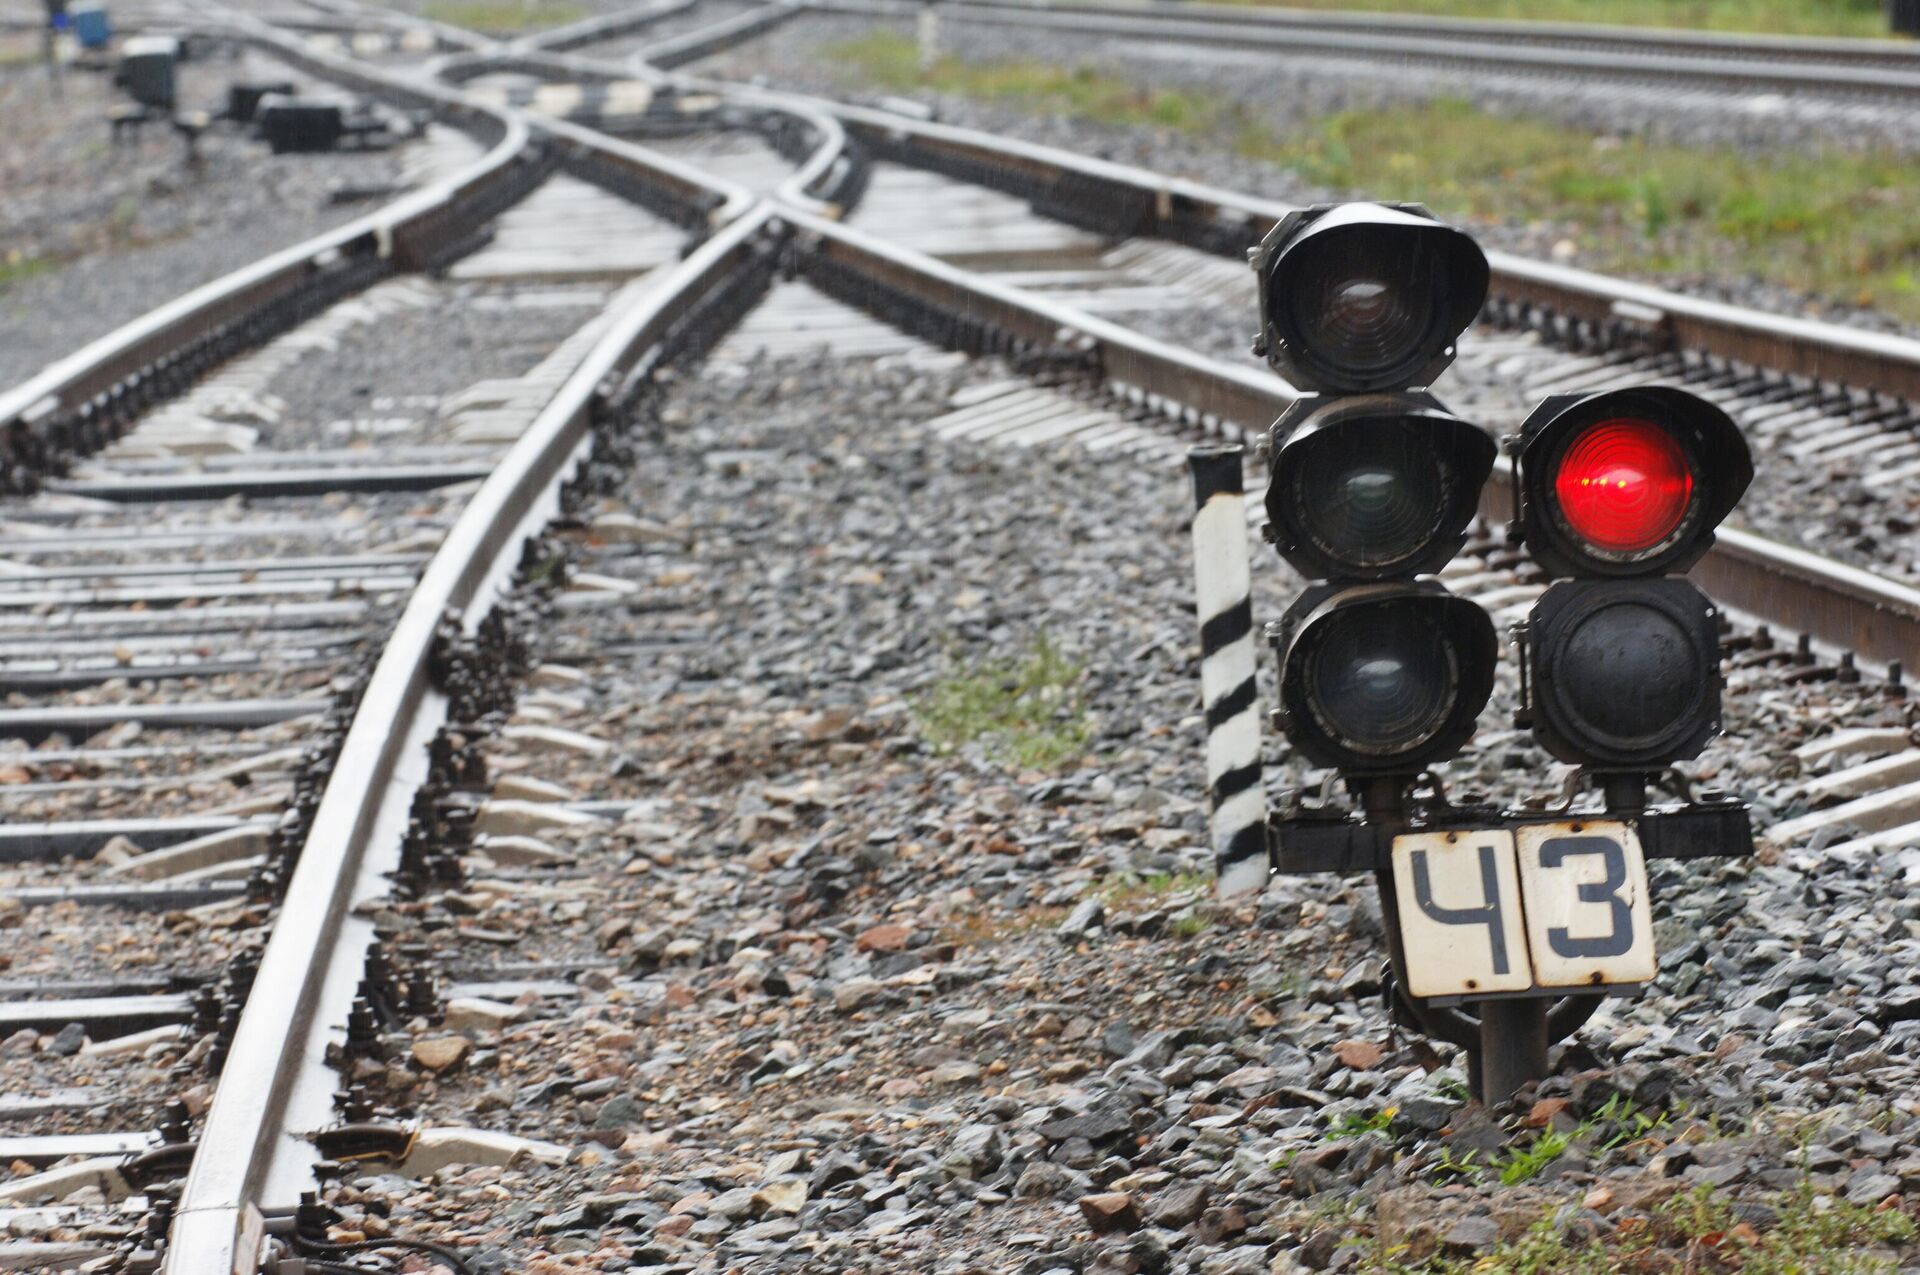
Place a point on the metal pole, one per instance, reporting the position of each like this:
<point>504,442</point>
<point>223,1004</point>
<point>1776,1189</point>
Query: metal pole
<point>1223,582</point>
<point>1625,795</point>
<point>1513,1046</point>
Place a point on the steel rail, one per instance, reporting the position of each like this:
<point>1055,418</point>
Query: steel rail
<point>1835,603</point>
<point>715,36</point>
<point>282,1029</point>
<point>816,179</point>
<point>1125,200</point>
<point>628,168</point>
<point>1894,81</point>
<point>1852,50</point>
<point>1226,399</point>
<point>606,26</point>
<point>1850,608</point>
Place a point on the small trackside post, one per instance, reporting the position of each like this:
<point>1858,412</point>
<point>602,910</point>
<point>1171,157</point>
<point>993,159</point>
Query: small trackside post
<point>1223,584</point>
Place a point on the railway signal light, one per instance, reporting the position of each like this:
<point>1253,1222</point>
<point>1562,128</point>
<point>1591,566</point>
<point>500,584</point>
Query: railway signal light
<point>1504,927</point>
<point>1624,674</point>
<point>1358,297</point>
<point>1372,485</point>
<point>1383,680</point>
<point>1618,490</point>
<point>1627,482</point>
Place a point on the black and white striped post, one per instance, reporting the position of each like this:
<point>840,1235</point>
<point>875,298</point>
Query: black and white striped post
<point>1223,582</point>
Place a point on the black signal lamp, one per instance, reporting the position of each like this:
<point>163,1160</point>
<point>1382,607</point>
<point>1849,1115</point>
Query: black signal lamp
<point>1373,486</point>
<point>1383,679</point>
<point>1624,675</point>
<point>1360,297</point>
<point>1628,482</point>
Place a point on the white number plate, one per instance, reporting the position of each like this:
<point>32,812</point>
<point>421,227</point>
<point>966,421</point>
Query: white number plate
<point>1560,905</point>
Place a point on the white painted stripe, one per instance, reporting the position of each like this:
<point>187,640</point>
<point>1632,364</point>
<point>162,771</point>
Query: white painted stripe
<point>1233,745</point>
<point>558,100</point>
<point>1244,877</point>
<point>1222,573</point>
<point>1226,668</point>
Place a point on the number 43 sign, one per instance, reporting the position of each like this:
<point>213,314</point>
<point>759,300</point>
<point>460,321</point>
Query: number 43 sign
<point>1552,906</point>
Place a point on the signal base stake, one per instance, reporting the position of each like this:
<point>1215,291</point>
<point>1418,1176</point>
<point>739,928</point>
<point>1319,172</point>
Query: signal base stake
<point>1513,1047</point>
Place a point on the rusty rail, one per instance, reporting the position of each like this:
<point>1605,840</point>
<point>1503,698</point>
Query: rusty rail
<point>253,1125</point>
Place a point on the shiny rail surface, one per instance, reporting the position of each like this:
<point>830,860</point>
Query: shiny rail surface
<point>1882,69</point>
<point>1857,51</point>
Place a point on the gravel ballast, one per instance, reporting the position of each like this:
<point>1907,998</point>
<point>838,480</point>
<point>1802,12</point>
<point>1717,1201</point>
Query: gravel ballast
<point>844,1001</point>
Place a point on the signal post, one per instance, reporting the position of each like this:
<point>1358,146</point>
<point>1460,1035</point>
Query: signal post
<point>1506,928</point>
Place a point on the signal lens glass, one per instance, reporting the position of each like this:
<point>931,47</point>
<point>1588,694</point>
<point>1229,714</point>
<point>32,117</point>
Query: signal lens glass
<point>1624,486</point>
<point>1375,505</point>
<point>1631,674</point>
<point>1380,681</point>
<point>1362,305</point>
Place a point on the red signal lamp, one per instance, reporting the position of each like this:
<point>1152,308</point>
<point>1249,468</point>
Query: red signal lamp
<point>1624,485</point>
<point>1628,482</point>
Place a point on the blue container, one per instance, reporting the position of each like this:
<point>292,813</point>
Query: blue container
<point>91,27</point>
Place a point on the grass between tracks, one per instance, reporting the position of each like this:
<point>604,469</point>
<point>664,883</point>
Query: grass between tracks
<point>16,266</point>
<point>1028,711</point>
<point>1830,223</point>
<point>1779,17</point>
<point>504,15</point>
<point>1811,1233</point>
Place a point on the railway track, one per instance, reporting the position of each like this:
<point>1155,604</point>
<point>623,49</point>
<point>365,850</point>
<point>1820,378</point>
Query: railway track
<point>1886,69</point>
<point>874,276</point>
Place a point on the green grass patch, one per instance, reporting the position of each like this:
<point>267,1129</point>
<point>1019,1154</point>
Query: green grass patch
<point>893,61</point>
<point>1129,888</point>
<point>1615,1124</point>
<point>1816,1234</point>
<point>17,267</point>
<point>1354,1124</point>
<point>1779,17</point>
<point>1190,925</point>
<point>1837,224</point>
<point>1027,711</point>
<point>503,15</point>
